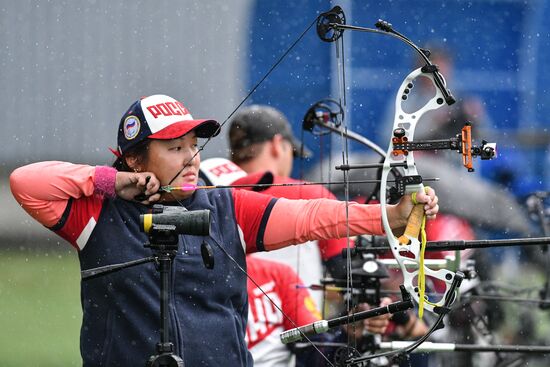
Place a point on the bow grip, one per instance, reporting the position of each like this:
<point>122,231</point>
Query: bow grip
<point>414,224</point>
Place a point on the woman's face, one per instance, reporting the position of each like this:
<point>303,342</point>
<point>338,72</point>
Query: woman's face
<point>167,157</point>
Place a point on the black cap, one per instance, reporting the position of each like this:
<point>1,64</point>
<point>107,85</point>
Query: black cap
<point>259,123</point>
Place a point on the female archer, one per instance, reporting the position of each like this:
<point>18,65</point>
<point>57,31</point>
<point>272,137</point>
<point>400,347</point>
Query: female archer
<point>95,209</point>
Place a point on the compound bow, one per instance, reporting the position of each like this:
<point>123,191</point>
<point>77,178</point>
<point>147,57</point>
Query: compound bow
<point>407,248</point>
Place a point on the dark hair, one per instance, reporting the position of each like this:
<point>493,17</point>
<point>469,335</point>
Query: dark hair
<point>139,151</point>
<point>248,153</point>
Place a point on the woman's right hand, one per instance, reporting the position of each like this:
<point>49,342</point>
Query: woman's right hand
<point>130,185</point>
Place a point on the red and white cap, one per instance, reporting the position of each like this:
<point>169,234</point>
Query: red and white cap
<point>159,117</point>
<point>221,171</point>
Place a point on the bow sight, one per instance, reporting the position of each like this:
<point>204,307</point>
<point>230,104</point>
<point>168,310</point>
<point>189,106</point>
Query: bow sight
<point>461,143</point>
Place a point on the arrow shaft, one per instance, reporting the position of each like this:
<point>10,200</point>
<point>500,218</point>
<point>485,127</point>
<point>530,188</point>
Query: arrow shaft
<point>191,187</point>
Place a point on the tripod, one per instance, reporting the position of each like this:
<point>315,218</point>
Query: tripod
<point>164,244</point>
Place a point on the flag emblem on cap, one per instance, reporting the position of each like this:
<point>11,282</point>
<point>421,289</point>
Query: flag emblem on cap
<point>131,127</point>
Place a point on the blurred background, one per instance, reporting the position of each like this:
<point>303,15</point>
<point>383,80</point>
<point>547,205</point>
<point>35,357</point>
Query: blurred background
<point>69,69</point>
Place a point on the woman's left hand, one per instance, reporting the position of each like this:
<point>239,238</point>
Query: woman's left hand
<point>430,200</point>
<point>398,214</point>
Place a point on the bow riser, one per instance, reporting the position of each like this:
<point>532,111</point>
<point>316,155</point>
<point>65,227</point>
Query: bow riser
<point>407,248</point>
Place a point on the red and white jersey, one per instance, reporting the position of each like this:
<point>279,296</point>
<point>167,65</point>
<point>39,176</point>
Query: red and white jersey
<point>281,285</point>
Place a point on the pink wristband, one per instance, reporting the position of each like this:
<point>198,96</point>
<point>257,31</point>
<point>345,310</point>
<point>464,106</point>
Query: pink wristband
<point>104,181</point>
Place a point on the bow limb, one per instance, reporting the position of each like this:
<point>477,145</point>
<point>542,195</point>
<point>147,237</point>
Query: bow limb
<point>407,248</point>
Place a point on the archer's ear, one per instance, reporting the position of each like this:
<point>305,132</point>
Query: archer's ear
<point>132,162</point>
